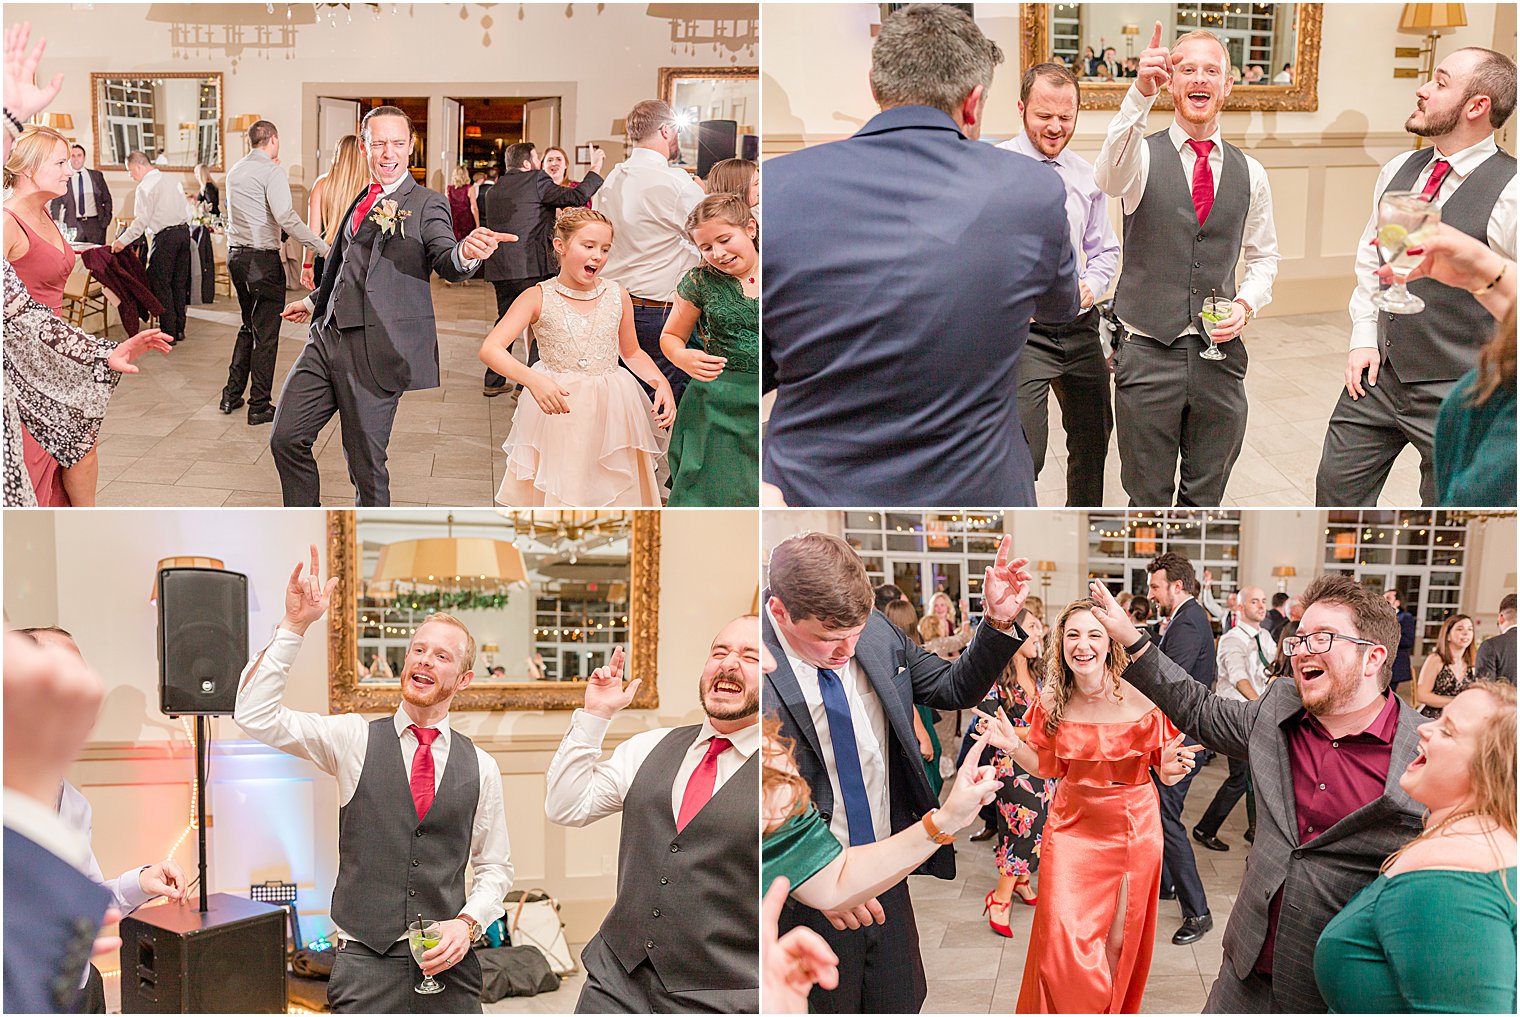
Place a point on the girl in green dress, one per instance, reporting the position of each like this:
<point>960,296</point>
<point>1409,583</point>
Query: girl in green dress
<point>715,446</point>
<point>1435,933</point>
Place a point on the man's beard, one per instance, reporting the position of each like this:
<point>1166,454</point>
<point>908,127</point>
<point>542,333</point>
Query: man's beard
<point>1338,689</point>
<point>438,694</point>
<point>747,707</point>
<point>1433,128</point>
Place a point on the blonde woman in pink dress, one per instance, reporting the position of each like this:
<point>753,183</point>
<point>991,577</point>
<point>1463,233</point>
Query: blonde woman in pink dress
<point>584,433</point>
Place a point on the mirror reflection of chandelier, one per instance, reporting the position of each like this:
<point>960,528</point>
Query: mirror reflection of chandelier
<point>570,532</point>
<point>449,564</point>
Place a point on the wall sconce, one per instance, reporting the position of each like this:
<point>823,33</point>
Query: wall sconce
<point>59,122</point>
<point>1282,573</point>
<point>240,125</point>
<point>1430,19</point>
<point>1044,568</point>
<point>186,562</point>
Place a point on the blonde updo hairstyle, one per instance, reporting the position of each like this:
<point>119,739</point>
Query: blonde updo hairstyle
<point>576,219</point>
<point>30,151</point>
<point>1059,678</point>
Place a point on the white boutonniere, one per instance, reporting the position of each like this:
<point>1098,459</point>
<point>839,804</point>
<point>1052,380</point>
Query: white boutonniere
<point>389,218</point>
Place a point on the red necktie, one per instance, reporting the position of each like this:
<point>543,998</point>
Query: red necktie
<point>1438,171</point>
<point>422,770</point>
<point>1203,179</point>
<point>699,789</point>
<point>370,197</point>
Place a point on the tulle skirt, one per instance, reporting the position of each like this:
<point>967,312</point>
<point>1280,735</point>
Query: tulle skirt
<point>600,454</point>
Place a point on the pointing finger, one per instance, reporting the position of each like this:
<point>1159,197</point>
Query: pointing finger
<point>1002,552</point>
<point>1156,37</point>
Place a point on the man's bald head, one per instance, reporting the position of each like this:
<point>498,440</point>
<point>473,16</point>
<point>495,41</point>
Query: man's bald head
<point>1253,604</point>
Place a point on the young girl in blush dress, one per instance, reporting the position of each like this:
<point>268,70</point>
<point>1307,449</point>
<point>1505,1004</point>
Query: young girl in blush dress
<point>584,433</point>
<point>1100,858</point>
<point>715,447</point>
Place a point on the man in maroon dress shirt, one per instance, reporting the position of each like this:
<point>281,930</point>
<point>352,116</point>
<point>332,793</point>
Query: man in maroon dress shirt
<point>1326,751</point>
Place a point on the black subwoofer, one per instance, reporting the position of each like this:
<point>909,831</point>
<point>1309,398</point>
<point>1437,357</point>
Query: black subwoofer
<point>716,140</point>
<point>230,959</point>
<point>202,639</point>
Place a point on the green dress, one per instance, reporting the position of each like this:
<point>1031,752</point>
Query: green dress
<point>1475,447</point>
<point>1427,941</point>
<point>797,849</point>
<point>715,444</point>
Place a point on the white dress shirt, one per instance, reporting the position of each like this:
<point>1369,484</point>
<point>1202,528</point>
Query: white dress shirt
<point>160,204</point>
<point>581,788</point>
<point>869,719</point>
<point>1092,234</point>
<point>88,209</point>
<point>1123,167</point>
<point>648,201</point>
<point>338,744</point>
<point>1501,227</point>
<point>126,889</point>
<point>1243,655</point>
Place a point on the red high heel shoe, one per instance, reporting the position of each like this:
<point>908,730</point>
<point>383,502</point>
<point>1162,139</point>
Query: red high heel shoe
<point>1001,930</point>
<point>1031,901</point>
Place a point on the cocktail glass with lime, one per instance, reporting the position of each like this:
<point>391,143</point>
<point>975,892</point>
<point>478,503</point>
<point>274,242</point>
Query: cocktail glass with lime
<point>1215,310</point>
<point>422,936</point>
<point>1406,221</point>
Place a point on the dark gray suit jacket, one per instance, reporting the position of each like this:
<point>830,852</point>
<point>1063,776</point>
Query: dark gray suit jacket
<point>400,332</point>
<point>1317,878</point>
<point>1496,657</point>
<point>902,673</point>
<point>523,203</point>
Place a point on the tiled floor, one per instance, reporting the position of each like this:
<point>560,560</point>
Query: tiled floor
<point>165,442</point>
<point>971,969</point>
<point>1293,383</point>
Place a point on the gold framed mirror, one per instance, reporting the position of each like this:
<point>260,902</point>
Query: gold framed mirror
<point>172,117</point>
<point>711,93</point>
<point>1265,36</point>
<point>551,594</point>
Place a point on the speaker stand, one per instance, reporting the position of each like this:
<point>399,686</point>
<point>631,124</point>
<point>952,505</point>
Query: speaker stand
<point>200,801</point>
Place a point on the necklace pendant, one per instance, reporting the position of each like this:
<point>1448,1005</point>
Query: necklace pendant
<point>583,362</point>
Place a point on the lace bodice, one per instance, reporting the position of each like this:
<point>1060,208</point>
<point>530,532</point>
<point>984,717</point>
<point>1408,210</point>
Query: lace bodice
<point>576,341</point>
<point>729,325</point>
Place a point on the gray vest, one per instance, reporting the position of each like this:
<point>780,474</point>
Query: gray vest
<point>685,901</point>
<point>391,868</point>
<point>1441,343</point>
<point>347,304</point>
<point>1173,264</point>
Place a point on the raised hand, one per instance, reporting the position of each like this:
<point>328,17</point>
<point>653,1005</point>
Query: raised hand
<point>306,599</point>
<point>605,694</point>
<point>598,159</point>
<point>998,731</point>
<point>1005,585</point>
<point>1114,619</point>
<point>1155,68</point>
<point>23,96</point>
<point>975,785</point>
<point>129,350</point>
<point>1177,760</point>
<point>792,964</point>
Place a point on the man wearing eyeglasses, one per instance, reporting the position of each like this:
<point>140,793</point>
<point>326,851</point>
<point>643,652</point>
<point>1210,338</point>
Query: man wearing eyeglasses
<point>1341,741</point>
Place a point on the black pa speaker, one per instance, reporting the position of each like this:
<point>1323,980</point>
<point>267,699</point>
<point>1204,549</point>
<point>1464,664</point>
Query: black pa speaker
<point>749,147</point>
<point>716,140</point>
<point>231,959</point>
<point>202,639</point>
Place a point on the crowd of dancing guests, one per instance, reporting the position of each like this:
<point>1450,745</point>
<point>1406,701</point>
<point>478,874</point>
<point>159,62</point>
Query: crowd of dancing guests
<point>1364,810</point>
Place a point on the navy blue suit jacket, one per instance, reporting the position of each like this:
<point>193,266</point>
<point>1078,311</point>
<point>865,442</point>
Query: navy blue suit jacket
<point>902,268</point>
<point>1401,668</point>
<point>52,915</point>
<point>1189,643</point>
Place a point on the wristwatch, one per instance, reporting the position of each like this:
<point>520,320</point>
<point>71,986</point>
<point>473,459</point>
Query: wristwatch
<point>473,926</point>
<point>1000,626</point>
<point>935,833</point>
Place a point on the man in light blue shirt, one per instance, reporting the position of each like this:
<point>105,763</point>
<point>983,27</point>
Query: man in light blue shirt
<point>1068,358</point>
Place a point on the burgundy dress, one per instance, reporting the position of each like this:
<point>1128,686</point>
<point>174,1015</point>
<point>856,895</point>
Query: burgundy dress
<point>459,211</point>
<point>44,269</point>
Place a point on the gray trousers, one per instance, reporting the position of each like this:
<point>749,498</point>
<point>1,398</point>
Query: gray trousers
<point>1231,995</point>
<point>1168,403</point>
<point>610,989</point>
<point>1068,360</point>
<point>332,376</point>
<point>1366,435</point>
<point>364,981</point>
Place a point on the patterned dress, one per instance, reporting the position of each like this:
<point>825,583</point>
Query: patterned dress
<point>57,383</point>
<point>1446,684</point>
<point>1024,799</point>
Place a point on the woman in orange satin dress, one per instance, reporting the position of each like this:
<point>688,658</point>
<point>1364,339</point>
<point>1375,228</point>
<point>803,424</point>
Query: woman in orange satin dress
<point>1100,860</point>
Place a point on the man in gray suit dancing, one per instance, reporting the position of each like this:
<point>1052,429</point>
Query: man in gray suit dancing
<point>373,335</point>
<point>1326,751</point>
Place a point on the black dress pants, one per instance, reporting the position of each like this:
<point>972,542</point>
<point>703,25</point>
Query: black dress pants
<point>1068,360</point>
<point>1179,869</point>
<point>880,969</point>
<point>1236,784</point>
<point>611,989</point>
<point>169,277</point>
<point>258,277</point>
<point>364,981</point>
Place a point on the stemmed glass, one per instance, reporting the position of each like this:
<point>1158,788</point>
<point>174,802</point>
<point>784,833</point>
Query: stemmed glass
<point>1215,309</point>
<point>1406,220</point>
<point>423,936</point>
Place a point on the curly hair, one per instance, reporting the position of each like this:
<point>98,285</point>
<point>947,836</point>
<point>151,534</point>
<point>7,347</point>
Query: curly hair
<point>783,792</point>
<point>1059,678</point>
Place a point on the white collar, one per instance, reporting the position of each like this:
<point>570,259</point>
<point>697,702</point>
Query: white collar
<point>403,720</point>
<point>746,740</point>
<point>1180,137</point>
<point>1470,158</point>
<point>650,156</point>
<point>1021,144</point>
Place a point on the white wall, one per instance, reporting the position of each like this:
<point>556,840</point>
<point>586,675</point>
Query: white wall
<point>601,57</point>
<point>275,816</point>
